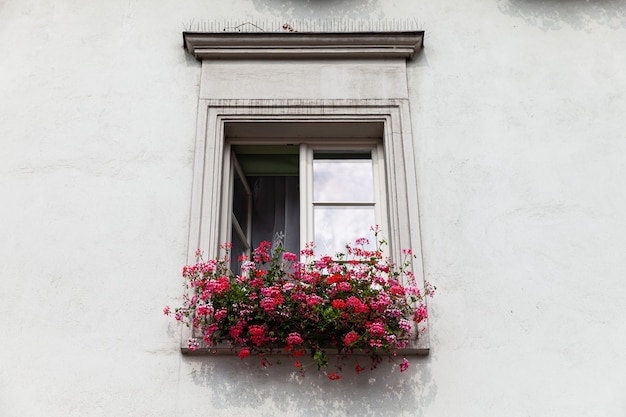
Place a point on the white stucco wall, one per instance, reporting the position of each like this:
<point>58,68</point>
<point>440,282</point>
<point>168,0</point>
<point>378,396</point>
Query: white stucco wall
<point>518,120</point>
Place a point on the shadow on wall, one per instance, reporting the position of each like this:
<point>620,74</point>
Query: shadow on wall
<point>243,385</point>
<point>578,14</point>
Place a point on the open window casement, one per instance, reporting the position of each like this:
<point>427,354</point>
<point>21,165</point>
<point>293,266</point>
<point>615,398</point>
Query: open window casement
<point>302,192</point>
<point>304,137</point>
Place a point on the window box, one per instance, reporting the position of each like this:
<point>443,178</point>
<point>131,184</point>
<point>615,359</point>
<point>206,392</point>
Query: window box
<point>352,303</point>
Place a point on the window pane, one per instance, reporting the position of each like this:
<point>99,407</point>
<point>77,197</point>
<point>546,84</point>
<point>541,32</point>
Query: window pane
<point>337,226</point>
<point>347,180</point>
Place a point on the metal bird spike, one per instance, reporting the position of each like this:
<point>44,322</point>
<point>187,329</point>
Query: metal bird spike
<point>326,25</point>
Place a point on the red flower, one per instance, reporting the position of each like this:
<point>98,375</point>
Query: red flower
<point>339,304</point>
<point>358,368</point>
<point>243,353</point>
<point>333,376</point>
<point>298,352</point>
<point>298,364</point>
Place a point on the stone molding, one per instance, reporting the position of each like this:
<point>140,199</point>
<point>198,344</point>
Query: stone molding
<point>299,45</point>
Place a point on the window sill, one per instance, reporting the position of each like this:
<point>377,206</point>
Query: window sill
<point>416,347</point>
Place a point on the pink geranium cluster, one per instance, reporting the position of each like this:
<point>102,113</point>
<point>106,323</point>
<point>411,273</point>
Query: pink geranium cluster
<point>358,302</point>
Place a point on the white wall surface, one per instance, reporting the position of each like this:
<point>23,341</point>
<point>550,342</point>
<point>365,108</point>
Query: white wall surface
<point>518,119</point>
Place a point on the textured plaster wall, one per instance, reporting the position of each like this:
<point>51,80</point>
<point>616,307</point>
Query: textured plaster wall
<point>518,110</point>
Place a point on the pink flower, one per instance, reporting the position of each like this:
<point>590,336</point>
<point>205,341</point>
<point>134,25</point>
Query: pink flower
<point>294,339</point>
<point>247,266</point>
<point>376,329</point>
<point>288,256</point>
<point>404,365</point>
<point>262,253</point>
<point>308,249</point>
<point>357,305</point>
<point>220,314</point>
<point>420,314</point>
<point>193,344</point>
<point>350,338</point>
<point>166,310</point>
<point>376,343</point>
<point>313,300</point>
<point>204,310</point>
<point>267,304</point>
<point>405,325</point>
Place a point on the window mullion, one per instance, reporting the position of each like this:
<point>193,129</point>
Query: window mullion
<point>306,194</point>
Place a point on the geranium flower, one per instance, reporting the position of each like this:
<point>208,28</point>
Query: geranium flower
<point>404,365</point>
<point>193,344</point>
<point>294,339</point>
<point>333,376</point>
<point>244,353</point>
<point>350,339</point>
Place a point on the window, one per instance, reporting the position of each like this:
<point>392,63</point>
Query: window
<point>288,123</point>
<point>301,191</point>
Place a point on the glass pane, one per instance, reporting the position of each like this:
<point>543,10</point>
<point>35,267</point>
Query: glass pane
<point>240,202</point>
<point>343,180</point>
<point>337,226</point>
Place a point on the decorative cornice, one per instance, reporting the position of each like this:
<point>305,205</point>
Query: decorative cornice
<point>299,45</point>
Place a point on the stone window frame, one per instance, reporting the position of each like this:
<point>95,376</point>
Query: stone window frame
<point>207,222</point>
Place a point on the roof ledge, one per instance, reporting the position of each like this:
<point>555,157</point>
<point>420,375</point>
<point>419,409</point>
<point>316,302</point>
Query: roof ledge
<point>303,45</point>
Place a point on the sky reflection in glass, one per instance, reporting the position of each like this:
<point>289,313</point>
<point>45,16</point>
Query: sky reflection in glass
<point>343,195</point>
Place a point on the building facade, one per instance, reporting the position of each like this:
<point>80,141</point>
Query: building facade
<point>515,111</point>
